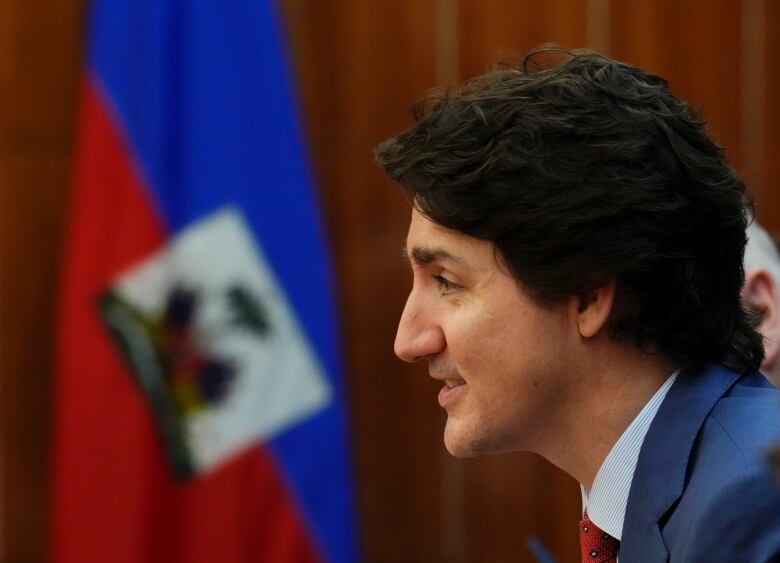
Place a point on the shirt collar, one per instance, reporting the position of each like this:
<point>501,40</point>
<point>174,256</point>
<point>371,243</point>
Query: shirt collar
<point>607,499</point>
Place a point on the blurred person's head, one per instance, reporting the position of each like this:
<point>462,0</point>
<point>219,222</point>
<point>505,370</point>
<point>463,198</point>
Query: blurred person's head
<point>762,272</point>
<point>569,214</point>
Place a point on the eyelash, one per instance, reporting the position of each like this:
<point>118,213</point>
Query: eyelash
<point>445,284</point>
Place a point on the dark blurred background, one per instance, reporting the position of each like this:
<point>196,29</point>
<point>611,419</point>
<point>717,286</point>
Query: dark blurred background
<point>360,64</point>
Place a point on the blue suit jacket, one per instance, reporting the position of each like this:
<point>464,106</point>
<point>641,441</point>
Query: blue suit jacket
<point>702,491</point>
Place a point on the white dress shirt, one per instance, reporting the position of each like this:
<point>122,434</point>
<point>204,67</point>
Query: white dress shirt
<point>607,499</point>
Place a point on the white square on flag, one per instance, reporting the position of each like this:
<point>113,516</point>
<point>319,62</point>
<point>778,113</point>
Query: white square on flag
<point>239,322</point>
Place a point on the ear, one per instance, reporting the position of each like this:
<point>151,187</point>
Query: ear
<point>592,309</point>
<point>760,294</point>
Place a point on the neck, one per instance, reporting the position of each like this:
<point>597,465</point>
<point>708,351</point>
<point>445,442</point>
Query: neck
<point>607,398</point>
<point>772,373</point>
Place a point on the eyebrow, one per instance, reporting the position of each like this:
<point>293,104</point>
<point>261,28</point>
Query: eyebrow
<point>422,256</point>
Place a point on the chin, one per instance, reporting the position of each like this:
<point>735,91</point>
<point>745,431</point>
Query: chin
<point>462,443</point>
<point>459,452</point>
<point>463,447</point>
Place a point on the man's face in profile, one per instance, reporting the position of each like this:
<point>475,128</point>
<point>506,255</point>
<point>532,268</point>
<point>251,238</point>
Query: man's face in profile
<point>503,359</point>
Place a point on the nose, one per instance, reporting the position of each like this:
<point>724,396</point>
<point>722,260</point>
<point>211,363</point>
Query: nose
<point>419,335</point>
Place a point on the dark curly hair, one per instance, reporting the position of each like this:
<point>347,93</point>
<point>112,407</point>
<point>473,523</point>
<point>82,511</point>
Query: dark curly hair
<point>583,171</point>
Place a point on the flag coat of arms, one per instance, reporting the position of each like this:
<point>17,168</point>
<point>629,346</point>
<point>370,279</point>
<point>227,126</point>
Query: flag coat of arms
<point>198,401</point>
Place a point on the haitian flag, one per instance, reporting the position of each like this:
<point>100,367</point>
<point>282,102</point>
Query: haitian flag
<point>198,405</point>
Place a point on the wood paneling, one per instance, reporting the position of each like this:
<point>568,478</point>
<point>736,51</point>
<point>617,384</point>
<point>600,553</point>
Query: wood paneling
<point>513,498</point>
<point>492,26</point>
<point>38,64</point>
<point>38,67</point>
<point>695,46</point>
<point>26,325</point>
<point>768,202</point>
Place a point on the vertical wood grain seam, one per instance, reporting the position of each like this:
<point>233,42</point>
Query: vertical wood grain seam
<point>598,24</point>
<point>3,452</point>
<point>446,42</point>
<point>753,95</point>
<point>453,489</point>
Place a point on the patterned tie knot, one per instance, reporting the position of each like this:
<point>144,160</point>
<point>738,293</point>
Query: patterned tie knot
<point>597,545</point>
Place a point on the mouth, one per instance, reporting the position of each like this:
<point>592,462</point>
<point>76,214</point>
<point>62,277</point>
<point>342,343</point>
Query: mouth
<point>452,391</point>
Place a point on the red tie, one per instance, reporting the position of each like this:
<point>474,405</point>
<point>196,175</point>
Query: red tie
<point>597,546</point>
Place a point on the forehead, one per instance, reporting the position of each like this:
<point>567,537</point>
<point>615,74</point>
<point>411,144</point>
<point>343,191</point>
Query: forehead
<point>428,238</point>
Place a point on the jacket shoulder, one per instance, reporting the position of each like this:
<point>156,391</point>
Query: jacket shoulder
<point>739,522</point>
<point>744,423</point>
<point>731,500</point>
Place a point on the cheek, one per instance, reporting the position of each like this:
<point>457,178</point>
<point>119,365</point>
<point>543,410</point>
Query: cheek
<point>513,351</point>
<point>469,333</point>
<point>484,346</point>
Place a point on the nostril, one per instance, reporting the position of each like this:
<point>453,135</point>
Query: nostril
<point>402,349</point>
<point>412,347</point>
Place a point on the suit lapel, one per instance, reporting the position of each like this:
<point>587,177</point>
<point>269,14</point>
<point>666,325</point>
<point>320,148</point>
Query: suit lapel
<point>659,478</point>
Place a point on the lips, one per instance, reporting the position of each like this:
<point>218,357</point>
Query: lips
<point>453,389</point>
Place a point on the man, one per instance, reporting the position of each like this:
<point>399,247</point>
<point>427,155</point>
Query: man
<point>762,272</point>
<point>576,245</point>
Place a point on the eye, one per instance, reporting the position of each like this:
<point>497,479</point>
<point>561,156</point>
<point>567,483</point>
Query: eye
<point>445,285</point>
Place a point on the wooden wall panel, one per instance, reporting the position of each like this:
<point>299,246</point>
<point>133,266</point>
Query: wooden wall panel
<point>27,327</point>
<point>489,27</point>
<point>768,201</point>
<point>38,69</point>
<point>39,57</point>
<point>695,45</point>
